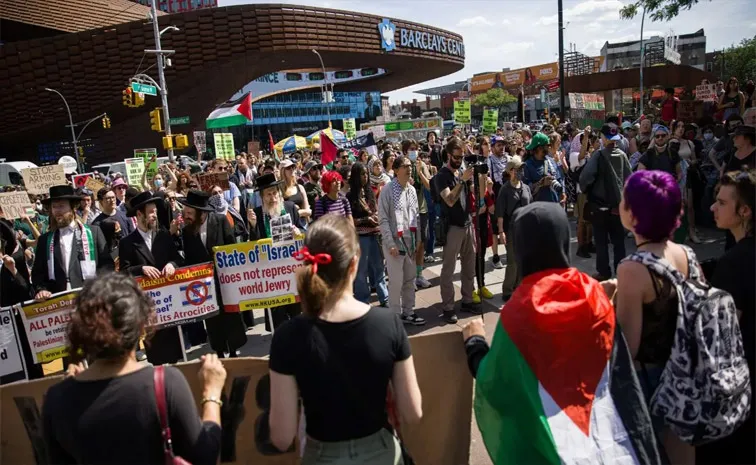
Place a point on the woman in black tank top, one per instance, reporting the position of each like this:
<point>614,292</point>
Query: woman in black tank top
<point>294,192</point>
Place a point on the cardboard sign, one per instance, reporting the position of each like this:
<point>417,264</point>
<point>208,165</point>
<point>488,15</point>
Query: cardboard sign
<point>134,171</point>
<point>150,162</point>
<point>707,93</point>
<point>11,360</point>
<point>45,324</point>
<point>185,297</point>
<point>200,143</point>
<point>80,180</point>
<point>224,146</point>
<point>94,185</point>
<point>442,437</point>
<point>257,274</point>
<point>253,148</point>
<point>16,204</point>
<point>39,180</point>
<point>690,110</point>
<point>208,180</point>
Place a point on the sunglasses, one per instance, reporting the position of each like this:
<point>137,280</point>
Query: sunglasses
<point>457,158</point>
<point>660,136</point>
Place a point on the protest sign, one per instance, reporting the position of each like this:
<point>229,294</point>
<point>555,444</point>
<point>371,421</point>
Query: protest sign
<point>94,185</point>
<point>442,437</point>
<point>45,325</point>
<point>707,93</point>
<point>11,361</point>
<point>39,180</point>
<point>253,148</point>
<point>224,146</point>
<point>257,274</point>
<point>80,180</point>
<point>150,162</point>
<point>689,110</point>
<point>16,204</point>
<point>185,297</point>
<point>350,128</point>
<point>462,111</point>
<point>208,180</point>
<point>134,170</point>
<point>200,142</point>
<point>490,120</point>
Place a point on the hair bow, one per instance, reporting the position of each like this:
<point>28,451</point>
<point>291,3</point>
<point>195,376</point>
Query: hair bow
<point>319,258</point>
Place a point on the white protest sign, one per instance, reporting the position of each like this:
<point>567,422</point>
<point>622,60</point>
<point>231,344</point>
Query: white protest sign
<point>707,93</point>
<point>134,171</point>
<point>69,164</point>
<point>257,274</point>
<point>185,297</point>
<point>45,324</point>
<point>39,180</point>
<point>10,348</point>
<point>200,141</point>
<point>15,205</point>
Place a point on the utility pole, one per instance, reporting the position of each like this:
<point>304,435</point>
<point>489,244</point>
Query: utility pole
<point>328,96</point>
<point>161,75</point>
<point>561,61</point>
<point>642,59</point>
<point>73,133</point>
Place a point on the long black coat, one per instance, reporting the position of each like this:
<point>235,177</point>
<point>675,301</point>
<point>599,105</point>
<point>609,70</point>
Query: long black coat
<point>133,254</point>
<point>225,330</point>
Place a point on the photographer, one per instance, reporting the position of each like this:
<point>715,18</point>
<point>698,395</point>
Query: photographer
<point>454,190</point>
<point>541,173</point>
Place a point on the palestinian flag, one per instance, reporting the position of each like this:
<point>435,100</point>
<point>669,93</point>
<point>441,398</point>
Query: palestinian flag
<point>235,113</point>
<point>558,384</point>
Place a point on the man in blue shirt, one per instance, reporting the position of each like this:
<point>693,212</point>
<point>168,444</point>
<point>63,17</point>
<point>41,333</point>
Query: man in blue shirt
<point>540,173</point>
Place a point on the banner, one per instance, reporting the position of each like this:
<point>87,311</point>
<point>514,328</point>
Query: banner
<point>45,325</point>
<point>134,171</point>
<point>490,120</point>
<point>462,111</point>
<point>150,162</point>
<point>200,141</point>
<point>257,274</point>
<point>514,78</point>
<point>350,128</point>
<point>442,437</point>
<point>586,101</point>
<point>11,360</point>
<point>185,297</point>
<point>224,146</point>
<point>208,180</point>
<point>39,180</point>
<point>80,180</point>
<point>16,204</point>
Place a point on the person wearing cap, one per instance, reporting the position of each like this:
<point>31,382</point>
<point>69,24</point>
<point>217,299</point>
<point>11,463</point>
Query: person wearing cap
<point>540,172</point>
<point>71,252</point>
<point>312,171</point>
<point>203,230</point>
<point>150,251</point>
<point>661,155</point>
<point>745,150</point>
<point>603,178</point>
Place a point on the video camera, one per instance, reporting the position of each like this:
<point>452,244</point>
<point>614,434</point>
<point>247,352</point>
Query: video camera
<point>478,163</point>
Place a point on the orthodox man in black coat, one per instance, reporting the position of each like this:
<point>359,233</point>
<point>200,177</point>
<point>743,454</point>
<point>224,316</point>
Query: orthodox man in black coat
<point>204,230</point>
<point>151,252</point>
<point>260,218</point>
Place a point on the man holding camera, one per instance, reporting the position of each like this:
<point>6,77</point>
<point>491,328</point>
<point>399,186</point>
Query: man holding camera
<point>460,239</point>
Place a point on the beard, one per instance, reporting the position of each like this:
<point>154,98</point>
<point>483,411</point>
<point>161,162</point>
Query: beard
<point>456,164</point>
<point>273,210</point>
<point>192,225</point>
<point>61,221</point>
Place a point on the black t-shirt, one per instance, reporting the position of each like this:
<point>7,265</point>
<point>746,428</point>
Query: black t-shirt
<point>342,370</point>
<point>455,214</point>
<point>734,164</point>
<point>115,421</point>
<point>664,161</point>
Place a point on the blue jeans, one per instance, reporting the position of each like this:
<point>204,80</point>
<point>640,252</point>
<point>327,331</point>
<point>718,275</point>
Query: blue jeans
<point>370,269</point>
<point>430,239</point>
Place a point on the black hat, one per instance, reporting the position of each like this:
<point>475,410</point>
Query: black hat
<point>64,192</point>
<point>198,200</point>
<point>139,201</point>
<point>265,181</point>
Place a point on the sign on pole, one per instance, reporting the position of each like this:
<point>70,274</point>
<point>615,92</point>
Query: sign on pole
<point>134,170</point>
<point>462,111</point>
<point>707,93</point>
<point>69,164</point>
<point>15,205</point>
<point>45,324</point>
<point>350,128</point>
<point>200,141</point>
<point>144,88</point>
<point>490,120</point>
<point>179,120</point>
<point>11,358</point>
<point>150,162</point>
<point>224,146</point>
<point>39,180</point>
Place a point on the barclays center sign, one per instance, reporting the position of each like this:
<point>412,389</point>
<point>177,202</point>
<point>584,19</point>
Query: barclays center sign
<point>419,40</point>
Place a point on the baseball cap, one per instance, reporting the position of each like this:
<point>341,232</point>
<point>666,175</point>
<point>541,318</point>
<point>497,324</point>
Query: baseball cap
<point>514,162</point>
<point>285,164</point>
<point>539,139</point>
<point>627,125</point>
<point>496,139</point>
<point>611,131</point>
<point>310,165</point>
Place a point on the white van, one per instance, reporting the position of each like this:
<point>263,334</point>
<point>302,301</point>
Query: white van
<point>10,172</point>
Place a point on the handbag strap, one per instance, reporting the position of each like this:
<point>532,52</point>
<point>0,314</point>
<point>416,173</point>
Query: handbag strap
<point>159,379</point>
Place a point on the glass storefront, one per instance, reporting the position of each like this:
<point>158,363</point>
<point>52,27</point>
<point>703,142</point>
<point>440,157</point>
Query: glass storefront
<point>308,107</point>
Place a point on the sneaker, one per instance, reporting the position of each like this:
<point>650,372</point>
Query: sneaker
<point>449,316</point>
<point>422,283</point>
<point>497,263</point>
<point>472,307</point>
<point>583,252</point>
<point>412,319</point>
<point>430,259</point>
<point>485,293</point>
<point>476,297</point>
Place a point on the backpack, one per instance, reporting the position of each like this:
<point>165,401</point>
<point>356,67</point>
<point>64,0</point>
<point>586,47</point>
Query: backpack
<point>704,390</point>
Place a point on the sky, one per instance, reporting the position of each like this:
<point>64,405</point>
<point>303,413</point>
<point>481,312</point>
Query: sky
<point>513,34</point>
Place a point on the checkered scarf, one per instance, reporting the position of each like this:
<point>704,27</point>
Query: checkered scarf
<point>406,215</point>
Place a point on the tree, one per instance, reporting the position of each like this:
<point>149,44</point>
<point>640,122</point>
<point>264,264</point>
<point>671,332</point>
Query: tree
<point>658,10</point>
<point>494,98</point>
<point>739,61</point>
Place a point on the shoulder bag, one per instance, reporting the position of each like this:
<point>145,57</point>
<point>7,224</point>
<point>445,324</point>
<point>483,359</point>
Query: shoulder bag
<point>159,379</point>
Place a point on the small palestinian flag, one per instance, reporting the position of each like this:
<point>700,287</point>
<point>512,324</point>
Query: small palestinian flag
<point>235,113</point>
<point>558,385</point>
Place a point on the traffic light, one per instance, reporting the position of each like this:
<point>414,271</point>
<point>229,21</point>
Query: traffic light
<point>156,122</point>
<point>128,97</point>
<point>168,142</point>
<point>138,99</point>
<point>546,113</point>
<point>106,122</point>
<point>182,141</point>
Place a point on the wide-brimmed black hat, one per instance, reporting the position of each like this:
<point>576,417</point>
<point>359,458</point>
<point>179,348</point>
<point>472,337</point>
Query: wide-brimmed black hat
<point>64,192</point>
<point>265,181</point>
<point>196,199</point>
<point>139,201</point>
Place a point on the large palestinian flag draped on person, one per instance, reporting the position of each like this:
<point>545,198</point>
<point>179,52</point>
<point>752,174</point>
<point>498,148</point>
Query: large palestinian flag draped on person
<point>234,113</point>
<point>558,384</point>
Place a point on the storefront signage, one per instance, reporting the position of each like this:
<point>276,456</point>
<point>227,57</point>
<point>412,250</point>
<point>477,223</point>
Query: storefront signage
<point>422,40</point>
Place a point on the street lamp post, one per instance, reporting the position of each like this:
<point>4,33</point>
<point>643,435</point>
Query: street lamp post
<point>642,60</point>
<point>73,133</point>
<point>325,86</point>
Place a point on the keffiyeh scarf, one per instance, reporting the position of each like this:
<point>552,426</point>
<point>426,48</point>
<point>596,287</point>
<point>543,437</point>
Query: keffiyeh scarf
<point>405,208</point>
<point>382,178</point>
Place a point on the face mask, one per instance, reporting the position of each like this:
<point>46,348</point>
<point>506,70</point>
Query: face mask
<point>412,154</point>
<point>708,135</point>
<point>158,183</point>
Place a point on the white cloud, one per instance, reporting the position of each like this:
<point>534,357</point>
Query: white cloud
<point>474,21</point>
<point>506,22</point>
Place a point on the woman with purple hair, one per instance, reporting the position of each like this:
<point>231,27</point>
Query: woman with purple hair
<point>646,303</point>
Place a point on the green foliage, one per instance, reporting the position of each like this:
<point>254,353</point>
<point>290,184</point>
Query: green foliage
<point>658,10</point>
<point>739,61</point>
<point>494,98</point>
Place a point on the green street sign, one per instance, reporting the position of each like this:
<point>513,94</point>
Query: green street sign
<point>144,88</point>
<point>178,121</point>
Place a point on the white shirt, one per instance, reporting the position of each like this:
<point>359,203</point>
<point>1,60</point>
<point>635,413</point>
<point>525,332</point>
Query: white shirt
<point>147,238</point>
<point>575,163</point>
<point>203,233</point>
<point>66,245</point>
